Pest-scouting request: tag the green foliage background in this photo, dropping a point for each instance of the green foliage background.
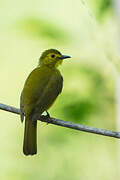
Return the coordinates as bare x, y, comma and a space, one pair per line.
88, 97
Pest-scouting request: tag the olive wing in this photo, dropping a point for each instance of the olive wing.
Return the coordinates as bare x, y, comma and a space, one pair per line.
33, 87
40, 90
52, 89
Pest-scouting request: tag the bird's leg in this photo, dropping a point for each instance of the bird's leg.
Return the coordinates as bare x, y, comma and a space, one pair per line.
48, 118
48, 115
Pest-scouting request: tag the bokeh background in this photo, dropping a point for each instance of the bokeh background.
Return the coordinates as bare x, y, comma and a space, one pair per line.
87, 31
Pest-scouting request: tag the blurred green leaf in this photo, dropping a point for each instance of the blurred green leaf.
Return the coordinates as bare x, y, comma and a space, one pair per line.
43, 29
102, 8
79, 108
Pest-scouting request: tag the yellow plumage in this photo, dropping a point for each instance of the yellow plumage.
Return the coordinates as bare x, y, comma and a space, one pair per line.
41, 88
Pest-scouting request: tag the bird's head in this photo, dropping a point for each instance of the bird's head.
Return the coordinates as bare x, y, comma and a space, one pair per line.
52, 58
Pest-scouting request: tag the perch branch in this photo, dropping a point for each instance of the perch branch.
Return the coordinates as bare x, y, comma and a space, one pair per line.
67, 124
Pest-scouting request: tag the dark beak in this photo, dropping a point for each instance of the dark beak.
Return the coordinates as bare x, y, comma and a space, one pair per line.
64, 57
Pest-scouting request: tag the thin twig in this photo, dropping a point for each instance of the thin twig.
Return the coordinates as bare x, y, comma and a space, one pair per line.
67, 124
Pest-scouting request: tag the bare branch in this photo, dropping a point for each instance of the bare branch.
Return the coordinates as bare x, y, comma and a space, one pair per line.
67, 124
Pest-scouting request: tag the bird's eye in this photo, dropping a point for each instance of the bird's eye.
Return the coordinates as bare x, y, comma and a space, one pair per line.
52, 55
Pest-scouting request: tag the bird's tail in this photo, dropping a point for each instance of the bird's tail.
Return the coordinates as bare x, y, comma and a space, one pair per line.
30, 137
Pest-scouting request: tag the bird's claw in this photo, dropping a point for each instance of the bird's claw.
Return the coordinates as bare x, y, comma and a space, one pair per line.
47, 117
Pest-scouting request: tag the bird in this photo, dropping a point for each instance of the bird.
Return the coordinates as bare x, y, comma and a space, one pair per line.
40, 90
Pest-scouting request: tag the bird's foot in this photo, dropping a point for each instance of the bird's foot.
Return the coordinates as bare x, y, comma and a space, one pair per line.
47, 117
